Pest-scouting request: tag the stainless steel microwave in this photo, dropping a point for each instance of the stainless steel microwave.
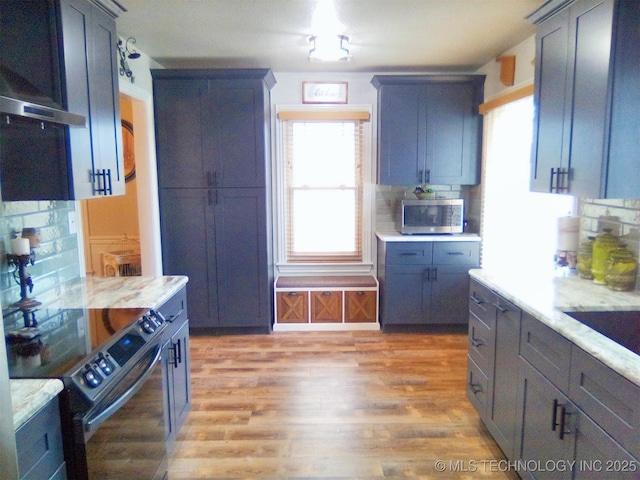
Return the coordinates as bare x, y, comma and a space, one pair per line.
431, 216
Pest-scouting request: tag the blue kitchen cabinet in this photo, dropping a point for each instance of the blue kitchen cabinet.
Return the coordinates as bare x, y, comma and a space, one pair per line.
424, 283
586, 81
429, 129
494, 338
552, 430
212, 137
545, 401
176, 364
39, 445
91, 85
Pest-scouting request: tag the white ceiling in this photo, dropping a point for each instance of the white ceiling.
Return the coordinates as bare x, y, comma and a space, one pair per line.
385, 35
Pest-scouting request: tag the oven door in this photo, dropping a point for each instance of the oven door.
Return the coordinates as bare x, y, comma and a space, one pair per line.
124, 434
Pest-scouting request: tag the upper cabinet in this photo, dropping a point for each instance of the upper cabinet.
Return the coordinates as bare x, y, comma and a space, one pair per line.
586, 94
214, 125
429, 129
91, 84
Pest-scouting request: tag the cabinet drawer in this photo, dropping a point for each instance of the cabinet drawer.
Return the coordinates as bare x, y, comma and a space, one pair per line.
175, 307
480, 303
477, 385
548, 351
293, 307
174, 311
409, 253
326, 307
480, 341
361, 306
456, 253
609, 399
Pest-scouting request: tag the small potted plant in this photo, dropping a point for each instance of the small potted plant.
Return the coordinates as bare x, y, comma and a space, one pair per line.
424, 192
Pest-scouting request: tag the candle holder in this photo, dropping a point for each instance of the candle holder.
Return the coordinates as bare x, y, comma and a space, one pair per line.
22, 278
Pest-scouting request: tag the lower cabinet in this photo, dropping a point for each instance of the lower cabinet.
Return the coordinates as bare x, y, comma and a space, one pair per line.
554, 410
494, 336
425, 283
175, 354
39, 445
178, 395
222, 246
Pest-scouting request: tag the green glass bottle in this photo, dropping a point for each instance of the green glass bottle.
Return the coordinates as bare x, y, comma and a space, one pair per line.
602, 247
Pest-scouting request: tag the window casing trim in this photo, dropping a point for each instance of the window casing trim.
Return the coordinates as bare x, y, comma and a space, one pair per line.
304, 266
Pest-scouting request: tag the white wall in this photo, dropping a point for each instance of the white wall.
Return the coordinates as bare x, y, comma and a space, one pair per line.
525, 53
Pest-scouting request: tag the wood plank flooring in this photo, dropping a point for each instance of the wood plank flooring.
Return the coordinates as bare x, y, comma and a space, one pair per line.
332, 405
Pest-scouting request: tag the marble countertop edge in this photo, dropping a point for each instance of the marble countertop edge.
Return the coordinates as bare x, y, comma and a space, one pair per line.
29, 396
546, 299
443, 237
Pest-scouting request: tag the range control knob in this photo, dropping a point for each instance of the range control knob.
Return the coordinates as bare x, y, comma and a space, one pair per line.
92, 377
105, 365
147, 325
157, 318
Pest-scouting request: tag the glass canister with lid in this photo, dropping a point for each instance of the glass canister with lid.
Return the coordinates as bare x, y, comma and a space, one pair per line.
585, 257
621, 270
603, 245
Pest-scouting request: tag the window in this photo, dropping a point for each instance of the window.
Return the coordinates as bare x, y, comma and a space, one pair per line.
323, 154
519, 227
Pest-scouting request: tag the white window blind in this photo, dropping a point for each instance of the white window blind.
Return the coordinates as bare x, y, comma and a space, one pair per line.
323, 153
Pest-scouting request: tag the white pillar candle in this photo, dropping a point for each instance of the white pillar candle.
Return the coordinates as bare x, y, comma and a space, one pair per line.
20, 246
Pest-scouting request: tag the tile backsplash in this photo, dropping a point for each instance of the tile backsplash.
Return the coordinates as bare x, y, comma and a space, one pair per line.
388, 197
57, 259
621, 215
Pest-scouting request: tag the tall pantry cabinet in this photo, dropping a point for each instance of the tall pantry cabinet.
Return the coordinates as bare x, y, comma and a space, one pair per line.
213, 148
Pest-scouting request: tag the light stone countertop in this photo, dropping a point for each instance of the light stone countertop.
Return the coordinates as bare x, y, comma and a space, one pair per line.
114, 292
445, 237
29, 396
546, 296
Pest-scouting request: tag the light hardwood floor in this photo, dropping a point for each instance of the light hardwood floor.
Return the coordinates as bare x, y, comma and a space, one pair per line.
332, 405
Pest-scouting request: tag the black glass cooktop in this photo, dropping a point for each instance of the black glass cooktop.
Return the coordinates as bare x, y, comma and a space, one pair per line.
48, 343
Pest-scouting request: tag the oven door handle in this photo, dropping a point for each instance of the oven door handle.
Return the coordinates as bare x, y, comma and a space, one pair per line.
94, 422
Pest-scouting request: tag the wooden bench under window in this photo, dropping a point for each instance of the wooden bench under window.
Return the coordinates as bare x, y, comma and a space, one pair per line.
326, 302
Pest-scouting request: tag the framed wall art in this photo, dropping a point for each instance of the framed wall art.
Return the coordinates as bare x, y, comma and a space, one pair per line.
324, 92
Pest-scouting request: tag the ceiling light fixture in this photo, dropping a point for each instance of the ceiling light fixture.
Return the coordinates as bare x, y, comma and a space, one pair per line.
329, 48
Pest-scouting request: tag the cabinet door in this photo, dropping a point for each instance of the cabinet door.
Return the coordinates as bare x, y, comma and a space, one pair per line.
598, 456
611, 400
326, 307
400, 110
360, 306
590, 29
106, 127
188, 248
552, 38
542, 412
243, 280
180, 382
293, 307
182, 117
407, 291
449, 289
452, 137
90, 59
503, 376
238, 133
39, 445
